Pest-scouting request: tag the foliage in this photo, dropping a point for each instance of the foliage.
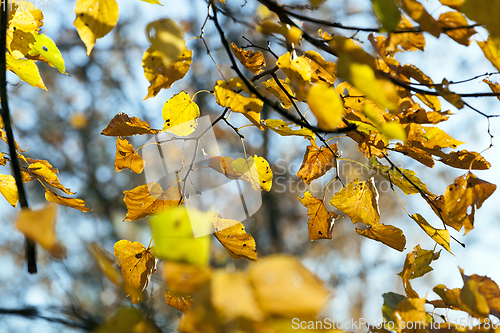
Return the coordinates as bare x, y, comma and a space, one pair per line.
384, 106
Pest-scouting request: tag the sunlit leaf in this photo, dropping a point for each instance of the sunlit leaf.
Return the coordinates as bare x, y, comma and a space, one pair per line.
455, 4
298, 70
411, 41
317, 162
417, 154
181, 303
456, 19
136, 262
94, 20
123, 125
40, 226
321, 221
276, 90
26, 70
253, 61
167, 37
70, 202
491, 50
256, 170
8, 189
326, 105
223, 165
231, 234
39, 169
284, 128
180, 114
473, 301
386, 234
487, 288
161, 76
321, 70
406, 274
410, 310
464, 159
440, 236
47, 49
448, 95
3, 159
418, 13
359, 200
391, 301
126, 157
145, 200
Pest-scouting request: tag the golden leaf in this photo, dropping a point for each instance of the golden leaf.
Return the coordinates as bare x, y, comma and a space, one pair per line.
275, 284
298, 71
180, 114
95, 19
231, 234
70, 202
181, 303
386, 234
359, 200
3, 159
407, 272
166, 37
184, 279
495, 87
417, 154
418, 13
317, 162
322, 70
26, 70
226, 96
128, 320
326, 105
136, 262
256, 170
432, 138
450, 297
40, 226
253, 61
8, 189
467, 190
488, 289
123, 125
276, 90
440, 236
411, 41
161, 76
145, 200
223, 165
285, 129
456, 19
408, 311
491, 50
321, 221
473, 301
126, 157
464, 159
417, 264
39, 169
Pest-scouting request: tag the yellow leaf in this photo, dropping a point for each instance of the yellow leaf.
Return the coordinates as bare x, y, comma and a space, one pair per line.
126, 157
223, 165
26, 70
321, 70
39, 169
95, 19
455, 4
292, 34
285, 129
407, 272
456, 19
257, 170
464, 159
487, 288
40, 226
321, 221
19, 42
180, 114
483, 12
70, 202
161, 76
467, 190
8, 189
326, 105
44, 49
181, 303
317, 162
297, 69
167, 37
253, 61
136, 262
154, 2
431, 138
3, 159
418, 13
123, 125
276, 90
226, 96
472, 300
275, 284
408, 41
184, 279
491, 50
386, 234
440, 236
359, 200
410, 313
393, 130
495, 87
145, 200
231, 234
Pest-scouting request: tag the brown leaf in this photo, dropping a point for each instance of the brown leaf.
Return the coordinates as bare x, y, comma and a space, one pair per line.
231, 234
143, 201
464, 159
316, 162
321, 221
386, 234
126, 157
123, 125
253, 61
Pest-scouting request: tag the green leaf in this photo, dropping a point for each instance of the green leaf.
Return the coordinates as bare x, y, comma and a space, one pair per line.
45, 47
388, 13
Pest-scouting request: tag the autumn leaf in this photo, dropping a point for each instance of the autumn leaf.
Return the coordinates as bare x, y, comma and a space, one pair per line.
483, 12
146, 199
485, 287
154, 2
418, 154
274, 280
126, 157
326, 105
495, 87
467, 190
8, 189
40, 226
321, 221
317, 162
123, 125
223, 165
386, 234
166, 37
418, 13
321, 70
70, 202
231, 234
285, 129
26, 70
253, 61
161, 76
256, 170
440, 236
410, 41
445, 92
298, 70
44, 49
276, 90
453, 20
410, 310
136, 262
180, 114
40, 169
181, 303
473, 301
450, 297
407, 272
94, 20
491, 50
3, 159
464, 159
105, 263
185, 279
359, 200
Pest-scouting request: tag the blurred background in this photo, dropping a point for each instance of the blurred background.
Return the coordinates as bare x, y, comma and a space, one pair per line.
63, 126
